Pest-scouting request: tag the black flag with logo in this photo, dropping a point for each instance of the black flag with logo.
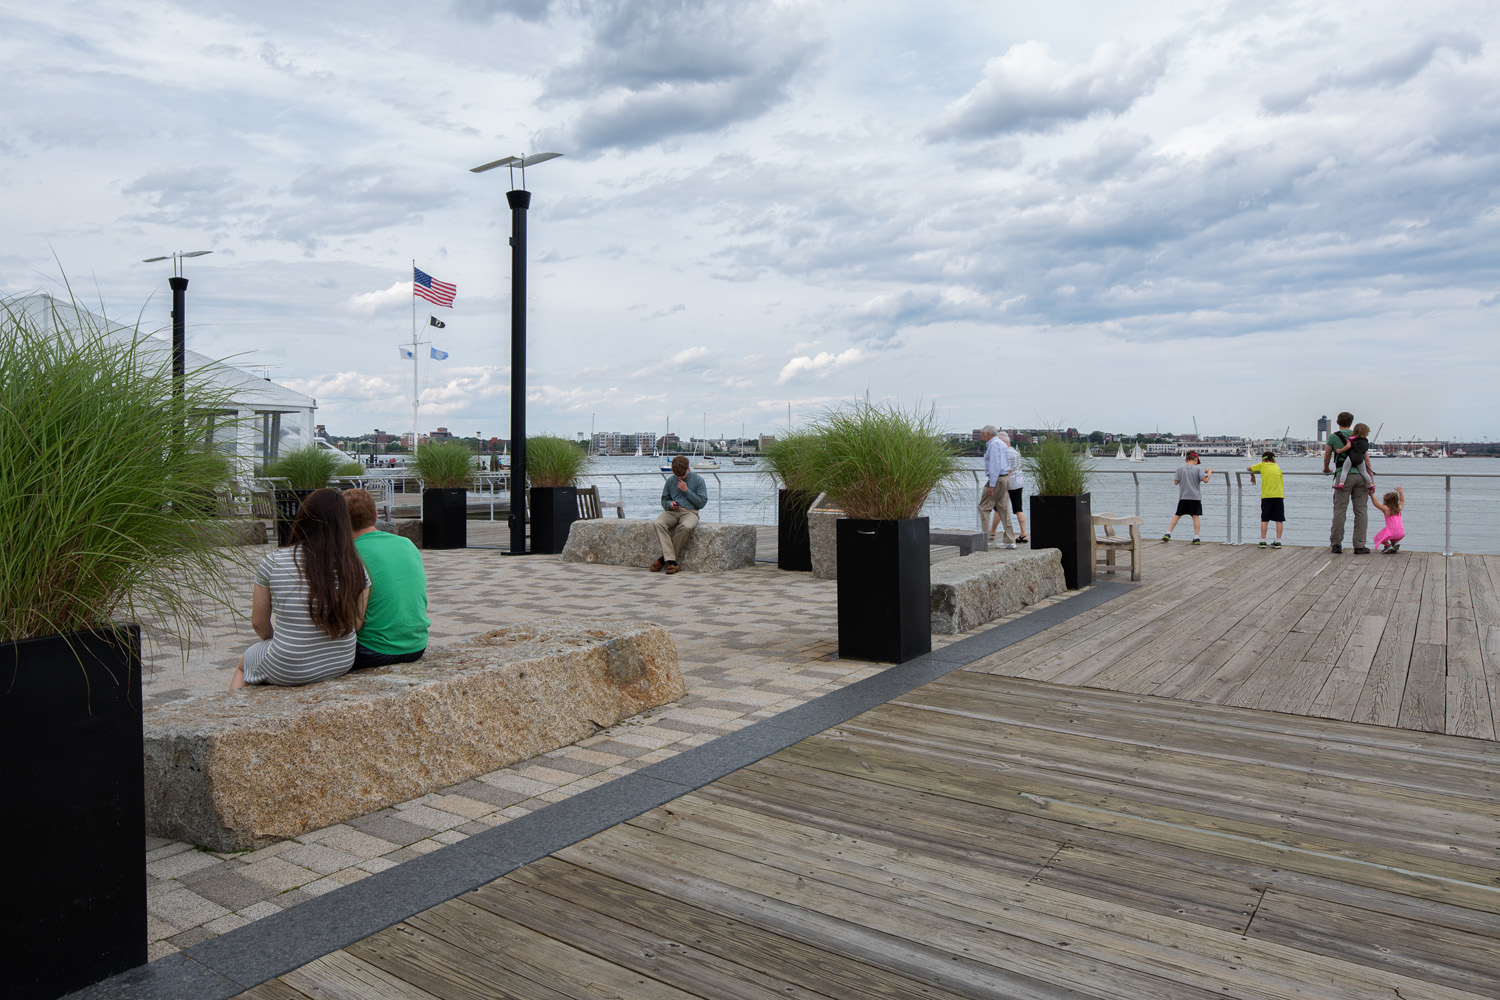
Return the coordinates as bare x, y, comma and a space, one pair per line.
434, 321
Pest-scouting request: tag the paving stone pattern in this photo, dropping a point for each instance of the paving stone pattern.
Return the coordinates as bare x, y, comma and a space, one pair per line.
752, 643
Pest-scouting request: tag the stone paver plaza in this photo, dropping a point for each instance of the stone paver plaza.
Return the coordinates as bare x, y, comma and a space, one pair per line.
752, 643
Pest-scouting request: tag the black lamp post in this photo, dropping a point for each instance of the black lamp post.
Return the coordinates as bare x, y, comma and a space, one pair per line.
519, 200
179, 319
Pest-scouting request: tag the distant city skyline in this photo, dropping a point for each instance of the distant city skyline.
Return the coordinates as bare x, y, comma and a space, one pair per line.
1075, 214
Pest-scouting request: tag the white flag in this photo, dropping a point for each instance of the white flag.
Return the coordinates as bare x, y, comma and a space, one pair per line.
407, 353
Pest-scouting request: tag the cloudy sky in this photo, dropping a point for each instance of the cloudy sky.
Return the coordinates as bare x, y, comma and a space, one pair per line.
1113, 216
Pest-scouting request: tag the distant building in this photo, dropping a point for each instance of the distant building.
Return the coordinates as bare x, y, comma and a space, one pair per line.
441, 434
1324, 429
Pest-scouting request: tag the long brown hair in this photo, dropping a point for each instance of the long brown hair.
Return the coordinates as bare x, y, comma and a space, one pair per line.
1393, 501
326, 558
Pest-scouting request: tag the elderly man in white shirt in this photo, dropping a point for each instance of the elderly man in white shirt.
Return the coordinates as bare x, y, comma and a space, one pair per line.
996, 499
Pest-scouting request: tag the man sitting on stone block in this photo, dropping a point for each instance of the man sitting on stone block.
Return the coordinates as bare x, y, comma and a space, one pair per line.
396, 622
682, 496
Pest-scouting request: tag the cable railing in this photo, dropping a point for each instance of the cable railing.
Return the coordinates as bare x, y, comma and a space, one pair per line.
1148, 492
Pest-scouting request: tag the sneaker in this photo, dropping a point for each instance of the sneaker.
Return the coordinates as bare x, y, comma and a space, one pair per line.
1361, 552
1010, 545
656, 566
1262, 544
1395, 546
1197, 541
1336, 549
1167, 537
1276, 544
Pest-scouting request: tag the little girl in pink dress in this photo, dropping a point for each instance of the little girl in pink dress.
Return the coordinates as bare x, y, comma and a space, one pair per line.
1389, 537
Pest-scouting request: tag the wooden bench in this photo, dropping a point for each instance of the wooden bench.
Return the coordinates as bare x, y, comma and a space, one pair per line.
591, 508
1112, 543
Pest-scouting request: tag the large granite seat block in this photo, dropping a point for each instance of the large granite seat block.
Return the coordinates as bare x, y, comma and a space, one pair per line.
712, 548
235, 770
984, 586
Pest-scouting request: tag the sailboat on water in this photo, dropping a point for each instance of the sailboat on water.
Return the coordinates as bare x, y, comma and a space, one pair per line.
703, 462
741, 458
1120, 455
1136, 455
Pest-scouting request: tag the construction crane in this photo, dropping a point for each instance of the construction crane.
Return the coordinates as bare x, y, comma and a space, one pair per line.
1196, 435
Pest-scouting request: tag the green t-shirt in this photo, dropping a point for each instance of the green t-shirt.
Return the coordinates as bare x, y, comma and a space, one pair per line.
1272, 484
396, 616
1337, 440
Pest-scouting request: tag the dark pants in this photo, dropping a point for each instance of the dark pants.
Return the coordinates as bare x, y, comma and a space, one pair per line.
369, 658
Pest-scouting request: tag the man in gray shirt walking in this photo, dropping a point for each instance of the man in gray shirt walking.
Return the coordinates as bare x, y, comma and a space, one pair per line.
996, 499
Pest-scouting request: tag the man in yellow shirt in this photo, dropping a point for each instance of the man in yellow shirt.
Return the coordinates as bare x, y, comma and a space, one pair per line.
1272, 495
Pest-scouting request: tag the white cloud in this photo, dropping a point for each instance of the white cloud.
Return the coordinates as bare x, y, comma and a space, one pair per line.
369, 303
1028, 90
818, 366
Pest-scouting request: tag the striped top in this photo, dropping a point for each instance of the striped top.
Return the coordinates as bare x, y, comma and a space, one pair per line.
298, 652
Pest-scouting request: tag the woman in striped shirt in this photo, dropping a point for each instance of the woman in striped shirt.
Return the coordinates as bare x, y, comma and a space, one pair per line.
309, 600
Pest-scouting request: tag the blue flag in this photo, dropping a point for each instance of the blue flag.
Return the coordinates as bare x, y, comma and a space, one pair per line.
438, 355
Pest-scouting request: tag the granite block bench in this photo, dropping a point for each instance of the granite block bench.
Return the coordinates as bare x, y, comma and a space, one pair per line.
241, 769
712, 548
969, 592
967, 542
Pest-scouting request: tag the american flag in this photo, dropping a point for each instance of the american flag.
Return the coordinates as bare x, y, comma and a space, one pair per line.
425, 286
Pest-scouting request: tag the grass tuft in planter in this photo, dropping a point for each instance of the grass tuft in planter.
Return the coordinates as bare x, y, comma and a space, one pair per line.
1058, 468
880, 462
446, 465
554, 461
306, 468
100, 474
792, 460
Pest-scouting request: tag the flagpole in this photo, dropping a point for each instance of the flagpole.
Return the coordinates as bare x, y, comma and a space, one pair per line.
414, 400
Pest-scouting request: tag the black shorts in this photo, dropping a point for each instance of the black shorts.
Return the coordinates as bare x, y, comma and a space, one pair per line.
1015, 500
1194, 507
365, 658
1272, 509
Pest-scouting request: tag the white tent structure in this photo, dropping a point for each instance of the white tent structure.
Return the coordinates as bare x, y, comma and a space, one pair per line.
262, 419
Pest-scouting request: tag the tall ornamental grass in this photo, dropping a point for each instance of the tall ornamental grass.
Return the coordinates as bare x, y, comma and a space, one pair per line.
307, 468
554, 461
880, 462
102, 477
446, 465
792, 460
1058, 468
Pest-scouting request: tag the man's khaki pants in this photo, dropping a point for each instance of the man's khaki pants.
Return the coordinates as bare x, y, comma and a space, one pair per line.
998, 502
672, 529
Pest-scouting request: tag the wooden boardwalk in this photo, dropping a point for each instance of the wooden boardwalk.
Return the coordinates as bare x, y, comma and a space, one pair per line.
1409, 640
987, 836
1233, 781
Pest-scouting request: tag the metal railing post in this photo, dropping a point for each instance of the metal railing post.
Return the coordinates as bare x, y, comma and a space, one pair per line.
1239, 508
1137, 477
719, 489
1228, 512
1447, 515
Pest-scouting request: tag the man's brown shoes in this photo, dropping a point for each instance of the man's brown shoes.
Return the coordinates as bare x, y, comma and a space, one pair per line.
656, 566
671, 568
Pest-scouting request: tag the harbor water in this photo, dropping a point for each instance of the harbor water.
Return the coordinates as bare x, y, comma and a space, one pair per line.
1466, 490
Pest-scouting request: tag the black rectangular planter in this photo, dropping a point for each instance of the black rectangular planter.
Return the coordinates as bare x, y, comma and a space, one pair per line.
884, 589
445, 518
1065, 523
553, 511
793, 546
70, 732
288, 502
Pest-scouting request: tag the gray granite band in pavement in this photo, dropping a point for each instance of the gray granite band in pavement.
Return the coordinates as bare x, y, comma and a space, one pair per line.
226, 965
